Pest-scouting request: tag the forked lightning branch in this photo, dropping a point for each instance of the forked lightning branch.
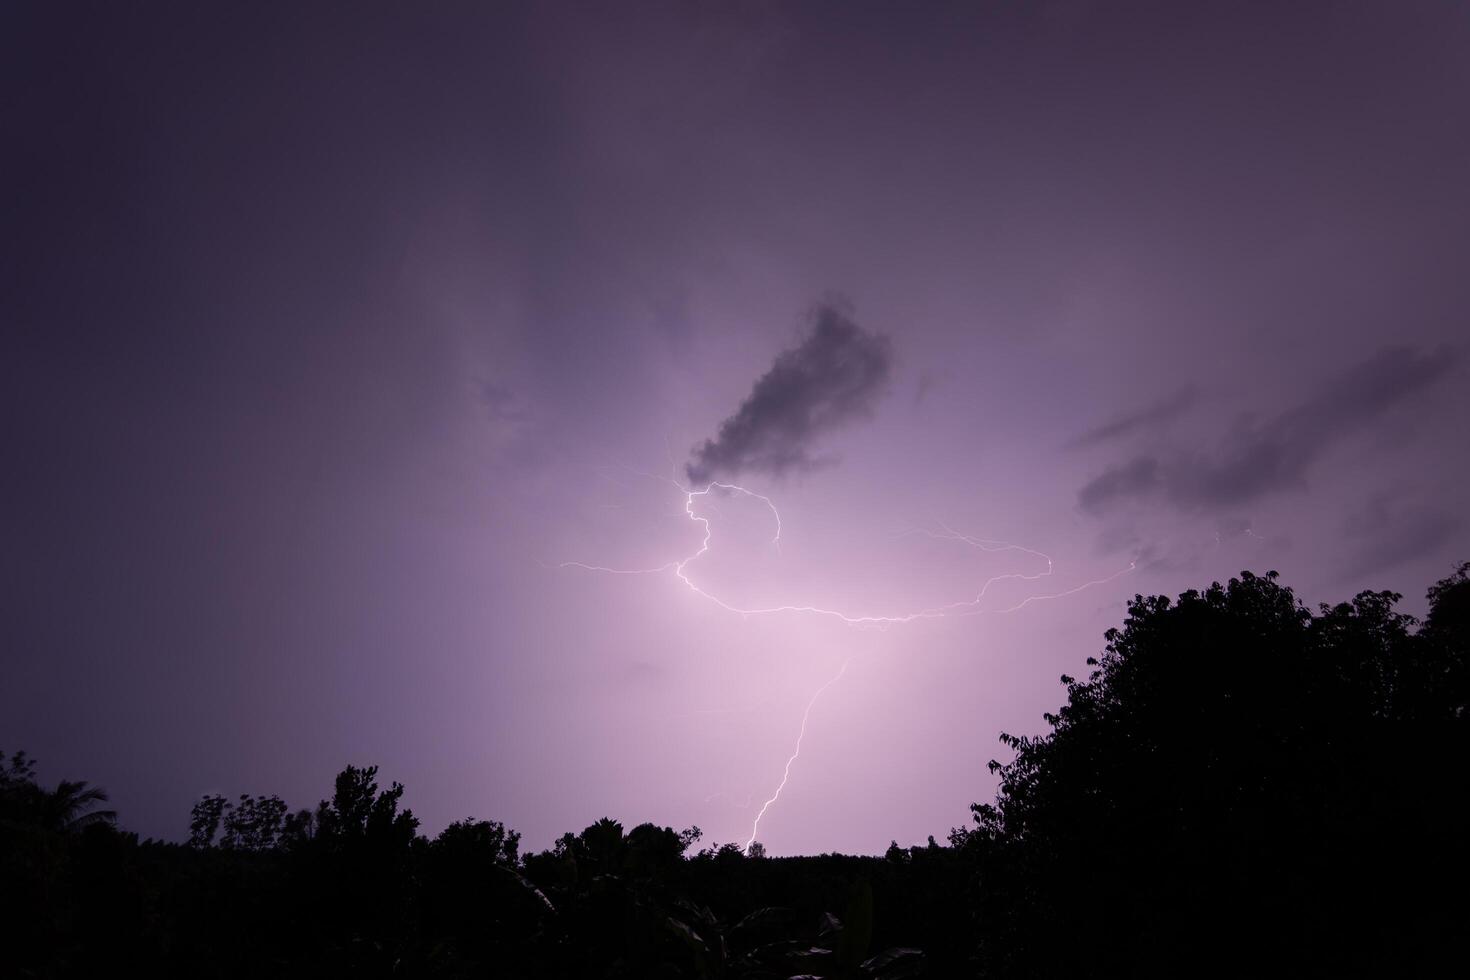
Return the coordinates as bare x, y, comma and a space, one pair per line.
681, 570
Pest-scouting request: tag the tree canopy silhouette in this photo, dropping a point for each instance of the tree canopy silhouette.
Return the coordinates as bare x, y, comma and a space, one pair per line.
1240, 784
71, 807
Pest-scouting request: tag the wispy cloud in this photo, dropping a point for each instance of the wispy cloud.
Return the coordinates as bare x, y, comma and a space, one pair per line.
1158, 413
1258, 459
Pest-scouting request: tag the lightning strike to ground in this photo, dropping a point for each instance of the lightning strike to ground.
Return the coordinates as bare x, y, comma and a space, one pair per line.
963, 607
786, 774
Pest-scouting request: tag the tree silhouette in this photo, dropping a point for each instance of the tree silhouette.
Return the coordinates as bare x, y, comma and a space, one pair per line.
1240, 786
204, 820
69, 808
358, 812
19, 794
72, 806
1239, 782
254, 823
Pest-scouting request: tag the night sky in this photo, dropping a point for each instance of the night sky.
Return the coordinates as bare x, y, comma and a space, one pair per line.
329, 335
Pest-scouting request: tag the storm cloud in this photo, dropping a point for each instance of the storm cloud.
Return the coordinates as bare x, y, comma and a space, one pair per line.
1392, 528
833, 377
1159, 413
1261, 458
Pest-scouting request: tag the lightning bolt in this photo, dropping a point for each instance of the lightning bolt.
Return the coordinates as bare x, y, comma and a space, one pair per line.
680, 569
963, 607
786, 774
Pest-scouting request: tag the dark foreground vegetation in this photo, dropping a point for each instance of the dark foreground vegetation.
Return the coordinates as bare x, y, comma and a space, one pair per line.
1240, 787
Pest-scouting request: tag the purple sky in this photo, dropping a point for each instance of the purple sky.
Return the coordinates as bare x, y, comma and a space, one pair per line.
328, 336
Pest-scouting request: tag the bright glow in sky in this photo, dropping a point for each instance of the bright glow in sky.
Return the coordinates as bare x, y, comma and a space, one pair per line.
328, 340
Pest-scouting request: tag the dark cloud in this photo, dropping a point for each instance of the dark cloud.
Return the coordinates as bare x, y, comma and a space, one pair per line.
1117, 537
1260, 458
1229, 528
1389, 530
832, 377
1135, 478
1161, 411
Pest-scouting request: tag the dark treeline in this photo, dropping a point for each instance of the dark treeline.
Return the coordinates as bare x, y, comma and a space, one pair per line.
1241, 786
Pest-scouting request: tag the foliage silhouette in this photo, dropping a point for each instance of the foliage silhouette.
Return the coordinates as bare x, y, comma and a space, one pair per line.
255, 823
69, 808
1239, 786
